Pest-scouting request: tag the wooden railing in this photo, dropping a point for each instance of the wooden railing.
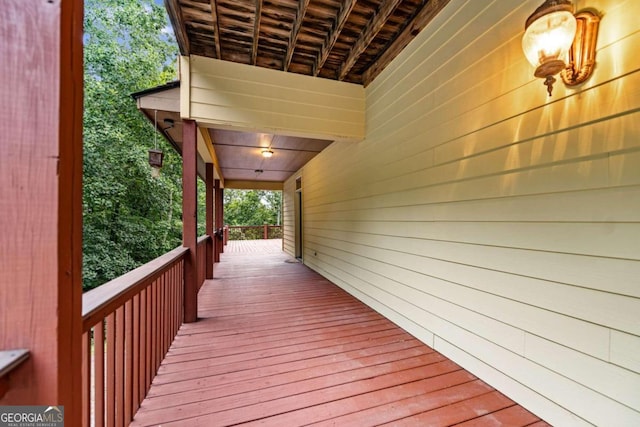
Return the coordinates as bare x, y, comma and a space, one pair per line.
254, 232
201, 260
9, 361
128, 326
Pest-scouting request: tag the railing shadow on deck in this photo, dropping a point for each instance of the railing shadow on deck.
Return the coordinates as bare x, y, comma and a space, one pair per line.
128, 326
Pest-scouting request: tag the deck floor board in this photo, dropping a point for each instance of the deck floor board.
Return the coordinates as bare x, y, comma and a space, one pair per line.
278, 345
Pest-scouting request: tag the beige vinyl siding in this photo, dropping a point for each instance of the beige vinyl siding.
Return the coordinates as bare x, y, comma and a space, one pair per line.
494, 223
237, 96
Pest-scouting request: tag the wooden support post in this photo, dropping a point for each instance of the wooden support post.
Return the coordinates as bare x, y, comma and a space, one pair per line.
265, 232
209, 184
189, 219
218, 244
41, 209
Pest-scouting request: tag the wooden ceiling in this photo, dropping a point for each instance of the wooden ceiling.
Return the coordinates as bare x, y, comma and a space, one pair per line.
347, 40
240, 154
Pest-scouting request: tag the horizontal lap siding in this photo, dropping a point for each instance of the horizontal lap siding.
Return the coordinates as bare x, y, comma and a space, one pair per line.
243, 97
494, 223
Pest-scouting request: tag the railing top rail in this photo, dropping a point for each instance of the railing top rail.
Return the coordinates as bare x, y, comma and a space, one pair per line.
103, 300
203, 239
10, 359
246, 226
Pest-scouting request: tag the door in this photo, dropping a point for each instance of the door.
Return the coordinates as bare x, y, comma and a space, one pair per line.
298, 218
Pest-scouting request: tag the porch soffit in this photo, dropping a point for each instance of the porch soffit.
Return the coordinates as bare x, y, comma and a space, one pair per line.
236, 155
350, 41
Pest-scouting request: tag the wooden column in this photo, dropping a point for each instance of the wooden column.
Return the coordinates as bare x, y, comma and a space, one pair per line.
189, 219
41, 208
209, 226
219, 220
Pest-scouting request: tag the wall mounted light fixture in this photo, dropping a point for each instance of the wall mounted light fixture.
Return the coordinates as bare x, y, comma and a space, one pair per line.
557, 41
267, 153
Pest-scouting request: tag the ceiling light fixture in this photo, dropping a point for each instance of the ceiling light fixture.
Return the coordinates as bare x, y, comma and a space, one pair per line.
266, 153
557, 41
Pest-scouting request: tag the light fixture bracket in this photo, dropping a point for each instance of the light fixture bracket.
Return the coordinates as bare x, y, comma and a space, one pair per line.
582, 55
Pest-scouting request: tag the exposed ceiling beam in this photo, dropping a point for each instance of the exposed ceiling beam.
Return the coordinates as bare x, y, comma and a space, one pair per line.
371, 30
175, 16
293, 38
256, 31
345, 9
422, 18
216, 27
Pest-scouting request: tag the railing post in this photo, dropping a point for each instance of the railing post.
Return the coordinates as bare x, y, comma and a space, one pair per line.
41, 201
189, 219
265, 232
209, 184
217, 245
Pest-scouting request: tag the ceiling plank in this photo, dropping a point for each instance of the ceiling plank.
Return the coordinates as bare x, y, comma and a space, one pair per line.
369, 33
345, 10
256, 32
422, 18
175, 16
216, 28
295, 31
254, 185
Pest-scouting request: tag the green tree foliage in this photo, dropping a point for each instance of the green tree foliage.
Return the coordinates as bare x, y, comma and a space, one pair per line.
252, 207
129, 217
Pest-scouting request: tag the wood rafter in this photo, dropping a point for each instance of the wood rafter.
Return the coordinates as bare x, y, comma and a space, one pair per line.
175, 16
421, 19
369, 33
295, 31
339, 40
216, 28
256, 32
330, 41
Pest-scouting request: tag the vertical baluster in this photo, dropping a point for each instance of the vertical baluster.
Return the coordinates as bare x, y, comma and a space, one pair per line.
181, 289
111, 370
165, 299
149, 338
128, 360
86, 379
120, 367
142, 385
135, 373
169, 306
163, 335
154, 328
176, 300
98, 358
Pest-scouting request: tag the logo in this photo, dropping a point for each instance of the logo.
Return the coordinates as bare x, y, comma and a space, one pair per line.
31, 416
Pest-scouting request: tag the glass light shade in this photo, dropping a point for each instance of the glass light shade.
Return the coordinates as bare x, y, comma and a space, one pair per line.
267, 153
548, 40
155, 158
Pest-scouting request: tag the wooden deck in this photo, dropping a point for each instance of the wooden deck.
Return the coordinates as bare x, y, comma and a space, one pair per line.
279, 345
